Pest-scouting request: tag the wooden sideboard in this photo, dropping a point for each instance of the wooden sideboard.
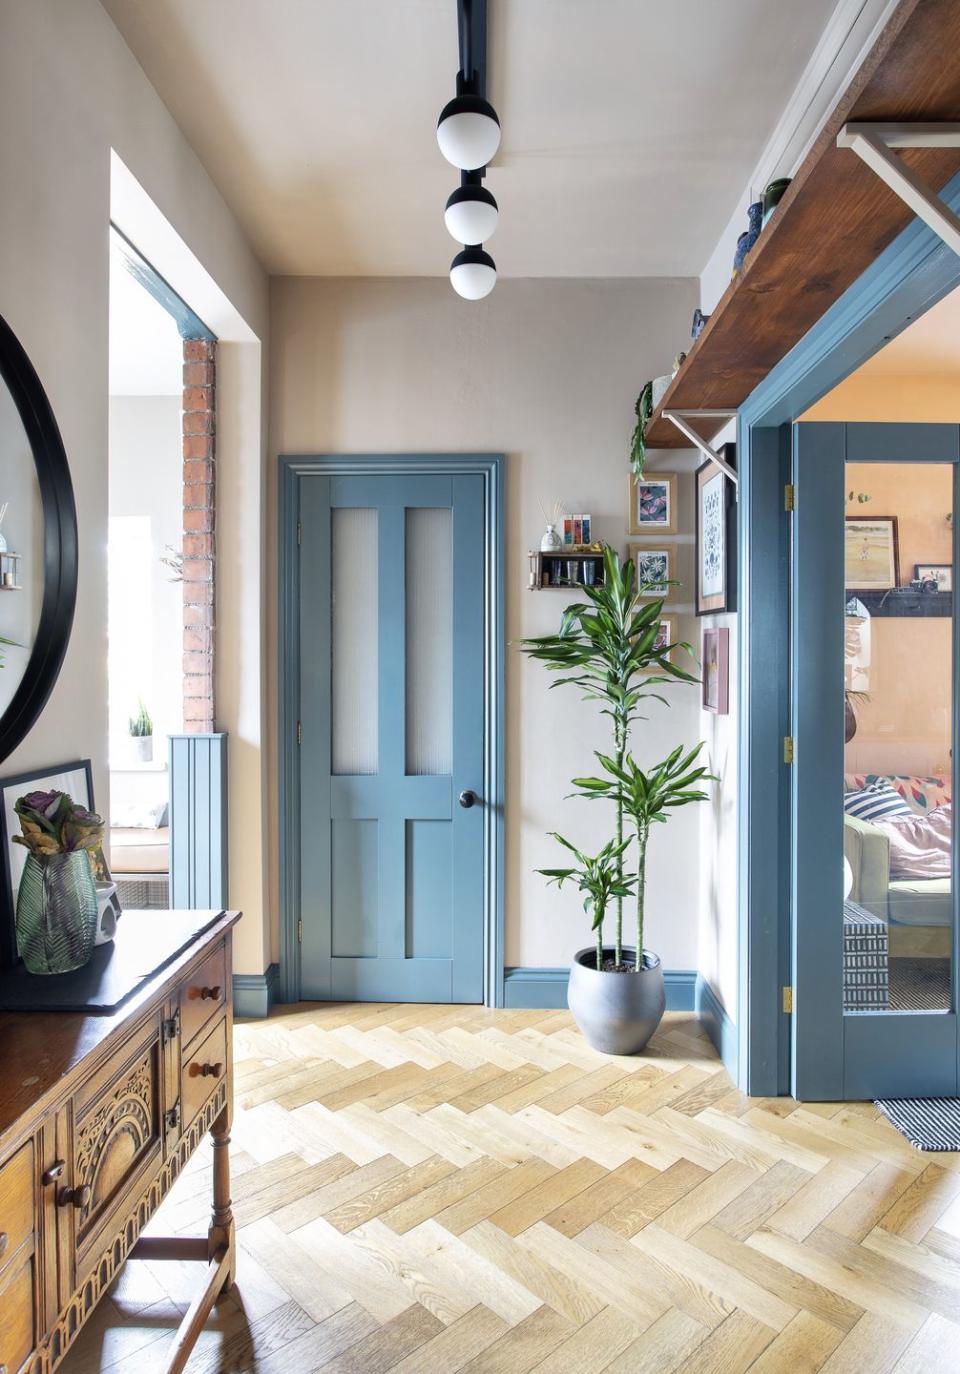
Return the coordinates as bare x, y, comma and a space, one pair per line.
98, 1115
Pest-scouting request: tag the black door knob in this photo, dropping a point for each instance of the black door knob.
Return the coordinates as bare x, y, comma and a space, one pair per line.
467, 799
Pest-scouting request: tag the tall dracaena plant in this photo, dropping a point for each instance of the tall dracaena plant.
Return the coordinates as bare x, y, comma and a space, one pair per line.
649, 799
609, 647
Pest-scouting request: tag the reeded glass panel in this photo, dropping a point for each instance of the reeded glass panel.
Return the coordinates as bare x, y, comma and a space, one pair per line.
429, 674
354, 632
898, 675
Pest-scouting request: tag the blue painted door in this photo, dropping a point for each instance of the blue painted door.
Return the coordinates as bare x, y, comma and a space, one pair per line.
392, 716
874, 938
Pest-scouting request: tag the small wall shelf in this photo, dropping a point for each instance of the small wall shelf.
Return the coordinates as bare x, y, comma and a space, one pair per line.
10, 580
549, 571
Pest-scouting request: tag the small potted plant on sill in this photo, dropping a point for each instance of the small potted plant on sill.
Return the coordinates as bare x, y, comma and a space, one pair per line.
140, 730
612, 647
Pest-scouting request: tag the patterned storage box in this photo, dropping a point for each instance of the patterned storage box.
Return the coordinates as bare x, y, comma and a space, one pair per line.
866, 978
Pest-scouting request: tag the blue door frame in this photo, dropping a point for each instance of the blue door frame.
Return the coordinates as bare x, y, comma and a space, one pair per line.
908, 277
293, 470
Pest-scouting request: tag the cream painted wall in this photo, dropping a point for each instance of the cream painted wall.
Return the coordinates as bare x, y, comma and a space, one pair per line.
70, 91
546, 371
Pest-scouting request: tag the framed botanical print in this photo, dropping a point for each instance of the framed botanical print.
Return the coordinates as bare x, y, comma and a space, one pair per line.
871, 554
653, 504
716, 538
941, 573
658, 573
715, 669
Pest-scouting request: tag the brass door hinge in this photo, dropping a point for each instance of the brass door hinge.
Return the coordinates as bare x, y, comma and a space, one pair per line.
789, 749
788, 1001
789, 497
300, 931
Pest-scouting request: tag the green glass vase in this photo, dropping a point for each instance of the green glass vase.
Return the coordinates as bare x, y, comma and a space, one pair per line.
56, 912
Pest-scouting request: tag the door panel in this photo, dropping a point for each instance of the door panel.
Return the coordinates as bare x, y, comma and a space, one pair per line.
392, 630
874, 720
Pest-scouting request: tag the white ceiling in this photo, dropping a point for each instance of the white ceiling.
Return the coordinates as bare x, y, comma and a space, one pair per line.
146, 351
630, 127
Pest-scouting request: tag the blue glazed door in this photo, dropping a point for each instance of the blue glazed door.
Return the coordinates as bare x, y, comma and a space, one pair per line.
874, 711
392, 643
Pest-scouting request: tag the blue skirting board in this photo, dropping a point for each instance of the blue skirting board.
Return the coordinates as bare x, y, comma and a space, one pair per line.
255, 993
547, 988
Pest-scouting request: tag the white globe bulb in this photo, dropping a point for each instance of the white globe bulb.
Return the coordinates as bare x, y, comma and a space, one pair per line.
471, 214
468, 132
473, 274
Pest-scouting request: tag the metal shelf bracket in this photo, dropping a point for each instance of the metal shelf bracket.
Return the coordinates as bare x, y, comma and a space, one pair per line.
679, 418
875, 144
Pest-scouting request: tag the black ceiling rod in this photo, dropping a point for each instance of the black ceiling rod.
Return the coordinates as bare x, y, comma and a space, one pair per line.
472, 26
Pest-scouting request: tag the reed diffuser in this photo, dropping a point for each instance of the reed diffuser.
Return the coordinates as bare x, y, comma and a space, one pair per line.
552, 541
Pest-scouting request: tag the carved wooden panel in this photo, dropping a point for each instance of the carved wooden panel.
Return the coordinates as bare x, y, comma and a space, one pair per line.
114, 1134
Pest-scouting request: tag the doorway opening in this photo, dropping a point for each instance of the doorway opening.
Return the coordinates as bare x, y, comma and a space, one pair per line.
160, 560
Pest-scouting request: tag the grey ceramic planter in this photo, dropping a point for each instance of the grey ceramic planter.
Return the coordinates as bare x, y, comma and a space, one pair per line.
617, 1012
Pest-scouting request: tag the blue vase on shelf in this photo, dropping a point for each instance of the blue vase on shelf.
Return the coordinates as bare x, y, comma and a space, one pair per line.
750, 235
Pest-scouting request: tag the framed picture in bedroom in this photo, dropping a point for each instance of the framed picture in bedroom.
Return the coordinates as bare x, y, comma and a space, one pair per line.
653, 504
76, 779
716, 570
658, 572
871, 554
715, 669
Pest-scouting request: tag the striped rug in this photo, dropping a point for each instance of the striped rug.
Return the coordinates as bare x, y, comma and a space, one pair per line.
931, 1123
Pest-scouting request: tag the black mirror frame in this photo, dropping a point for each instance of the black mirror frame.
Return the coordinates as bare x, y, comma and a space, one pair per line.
59, 543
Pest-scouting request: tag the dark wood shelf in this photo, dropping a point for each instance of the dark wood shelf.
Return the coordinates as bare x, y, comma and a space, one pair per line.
546, 563
834, 220
905, 602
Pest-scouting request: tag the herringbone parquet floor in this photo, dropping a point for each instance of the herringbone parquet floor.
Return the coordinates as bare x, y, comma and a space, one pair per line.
435, 1189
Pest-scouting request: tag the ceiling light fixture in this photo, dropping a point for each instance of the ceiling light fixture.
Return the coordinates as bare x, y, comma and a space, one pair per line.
473, 274
468, 132
471, 213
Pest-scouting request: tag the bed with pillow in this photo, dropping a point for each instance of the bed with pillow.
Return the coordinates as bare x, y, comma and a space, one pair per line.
897, 839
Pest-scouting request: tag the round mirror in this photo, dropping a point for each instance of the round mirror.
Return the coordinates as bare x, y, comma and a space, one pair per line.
38, 545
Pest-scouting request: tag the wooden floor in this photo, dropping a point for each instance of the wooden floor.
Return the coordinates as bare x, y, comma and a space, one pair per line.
434, 1189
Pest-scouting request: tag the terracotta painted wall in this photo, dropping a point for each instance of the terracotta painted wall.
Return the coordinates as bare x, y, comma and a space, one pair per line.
904, 727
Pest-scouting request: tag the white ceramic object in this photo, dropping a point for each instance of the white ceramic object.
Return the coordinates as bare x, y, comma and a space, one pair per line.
551, 541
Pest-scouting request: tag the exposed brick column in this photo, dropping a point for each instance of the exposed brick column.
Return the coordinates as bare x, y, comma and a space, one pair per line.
199, 533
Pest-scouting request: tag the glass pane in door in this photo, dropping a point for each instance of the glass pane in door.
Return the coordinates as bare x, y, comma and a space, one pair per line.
429, 640
898, 689
354, 630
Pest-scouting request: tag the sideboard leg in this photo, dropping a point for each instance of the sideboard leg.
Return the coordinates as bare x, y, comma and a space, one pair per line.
221, 1233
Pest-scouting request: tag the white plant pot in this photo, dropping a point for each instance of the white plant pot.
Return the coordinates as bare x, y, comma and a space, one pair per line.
142, 748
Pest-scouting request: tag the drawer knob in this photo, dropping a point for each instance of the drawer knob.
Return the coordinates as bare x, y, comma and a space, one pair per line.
206, 1070
50, 1175
74, 1197
210, 994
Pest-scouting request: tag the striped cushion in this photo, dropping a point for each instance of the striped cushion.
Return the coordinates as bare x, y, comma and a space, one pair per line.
877, 801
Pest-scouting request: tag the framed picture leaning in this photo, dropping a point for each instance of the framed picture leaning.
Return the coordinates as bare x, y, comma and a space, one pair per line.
716, 561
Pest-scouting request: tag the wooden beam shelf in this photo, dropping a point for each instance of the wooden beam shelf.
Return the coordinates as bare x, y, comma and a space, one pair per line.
836, 217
